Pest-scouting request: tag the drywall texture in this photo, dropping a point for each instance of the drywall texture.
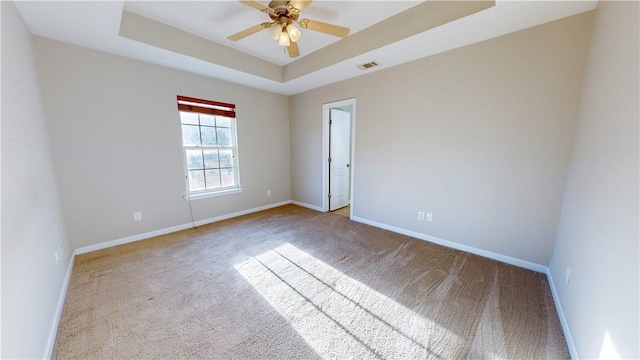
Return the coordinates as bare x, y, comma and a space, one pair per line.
598, 230
478, 136
116, 141
33, 224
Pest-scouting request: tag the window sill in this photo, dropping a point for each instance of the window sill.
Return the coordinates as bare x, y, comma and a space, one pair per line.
205, 195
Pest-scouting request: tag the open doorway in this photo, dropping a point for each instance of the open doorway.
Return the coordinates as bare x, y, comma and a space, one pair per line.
338, 120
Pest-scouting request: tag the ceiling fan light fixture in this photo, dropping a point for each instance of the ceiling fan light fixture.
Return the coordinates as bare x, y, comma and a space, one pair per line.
284, 40
294, 33
283, 15
274, 31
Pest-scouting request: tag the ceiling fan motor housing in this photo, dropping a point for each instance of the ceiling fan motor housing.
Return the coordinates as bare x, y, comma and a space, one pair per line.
283, 15
283, 12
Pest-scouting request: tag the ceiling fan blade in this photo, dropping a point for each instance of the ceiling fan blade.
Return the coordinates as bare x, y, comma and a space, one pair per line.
293, 50
256, 5
250, 31
298, 5
330, 29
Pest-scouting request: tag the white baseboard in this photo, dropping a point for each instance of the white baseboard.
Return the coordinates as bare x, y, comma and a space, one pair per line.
502, 258
450, 244
308, 206
150, 234
573, 350
240, 213
129, 239
56, 318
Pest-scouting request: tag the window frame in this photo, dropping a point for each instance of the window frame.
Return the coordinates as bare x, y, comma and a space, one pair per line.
209, 108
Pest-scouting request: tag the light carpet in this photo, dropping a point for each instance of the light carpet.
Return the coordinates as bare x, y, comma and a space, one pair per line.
295, 283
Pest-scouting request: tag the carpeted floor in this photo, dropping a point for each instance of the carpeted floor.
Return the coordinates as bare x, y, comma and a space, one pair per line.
345, 211
295, 283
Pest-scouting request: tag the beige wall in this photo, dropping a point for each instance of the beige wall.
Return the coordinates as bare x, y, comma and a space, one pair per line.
479, 136
598, 231
117, 145
33, 224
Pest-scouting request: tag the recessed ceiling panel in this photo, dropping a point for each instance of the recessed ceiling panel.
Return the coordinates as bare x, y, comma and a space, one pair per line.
215, 20
96, 25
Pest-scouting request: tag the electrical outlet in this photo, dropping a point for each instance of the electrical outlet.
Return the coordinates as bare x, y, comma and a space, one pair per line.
567, 274
268, 192
429, 217
137, 216
420, 215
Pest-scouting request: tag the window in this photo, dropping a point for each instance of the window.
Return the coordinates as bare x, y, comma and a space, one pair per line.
209, 146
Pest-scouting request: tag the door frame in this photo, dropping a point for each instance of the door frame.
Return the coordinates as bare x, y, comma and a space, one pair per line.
325, 151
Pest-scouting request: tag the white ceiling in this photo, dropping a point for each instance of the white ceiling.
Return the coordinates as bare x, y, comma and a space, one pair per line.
96, 25
217, 20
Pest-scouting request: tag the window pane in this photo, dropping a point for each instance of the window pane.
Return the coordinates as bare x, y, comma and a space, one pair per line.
194, 159
211, 159
196, 180
213, 178
209, 149
227, 177
226, 158
190, 135
222, 121
224, 136
208, 136
207, 120
189, 118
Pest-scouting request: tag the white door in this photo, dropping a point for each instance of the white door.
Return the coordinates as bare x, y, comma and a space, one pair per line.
339, 153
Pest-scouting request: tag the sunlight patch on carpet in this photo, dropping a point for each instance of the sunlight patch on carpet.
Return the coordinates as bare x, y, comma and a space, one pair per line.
339, 316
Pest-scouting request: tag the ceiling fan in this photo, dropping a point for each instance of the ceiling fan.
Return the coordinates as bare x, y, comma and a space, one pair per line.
284, 14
